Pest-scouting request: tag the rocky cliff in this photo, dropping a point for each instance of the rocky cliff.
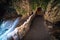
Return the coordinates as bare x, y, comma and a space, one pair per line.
52, 17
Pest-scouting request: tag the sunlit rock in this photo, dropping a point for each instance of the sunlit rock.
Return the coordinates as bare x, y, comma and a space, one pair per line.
20, 31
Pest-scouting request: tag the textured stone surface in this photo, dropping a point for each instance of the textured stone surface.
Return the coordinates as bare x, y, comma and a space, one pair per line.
52, 13
20, 31
52, 17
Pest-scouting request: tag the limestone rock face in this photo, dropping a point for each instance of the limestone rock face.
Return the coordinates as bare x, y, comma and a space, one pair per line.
21, 31
21, 6
52, 17
52, 13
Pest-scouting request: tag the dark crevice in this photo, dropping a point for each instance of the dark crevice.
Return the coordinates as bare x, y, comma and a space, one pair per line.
57, 24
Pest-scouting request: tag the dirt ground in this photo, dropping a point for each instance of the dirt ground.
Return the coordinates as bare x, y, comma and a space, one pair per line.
38, 30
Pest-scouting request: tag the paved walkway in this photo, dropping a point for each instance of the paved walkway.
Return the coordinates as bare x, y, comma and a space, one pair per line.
38, 30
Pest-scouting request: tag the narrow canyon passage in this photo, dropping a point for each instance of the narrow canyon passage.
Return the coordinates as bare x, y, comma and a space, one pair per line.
38, 30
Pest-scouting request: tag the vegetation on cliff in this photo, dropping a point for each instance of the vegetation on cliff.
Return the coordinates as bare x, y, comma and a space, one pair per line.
52, 13
24, 6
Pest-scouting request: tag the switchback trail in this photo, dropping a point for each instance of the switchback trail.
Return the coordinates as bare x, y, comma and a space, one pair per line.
38, 30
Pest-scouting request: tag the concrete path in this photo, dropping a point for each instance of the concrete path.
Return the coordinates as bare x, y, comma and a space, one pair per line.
38, 30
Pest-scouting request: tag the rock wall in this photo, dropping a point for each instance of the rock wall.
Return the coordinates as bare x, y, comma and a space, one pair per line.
52, 17
52, 13
20, 31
